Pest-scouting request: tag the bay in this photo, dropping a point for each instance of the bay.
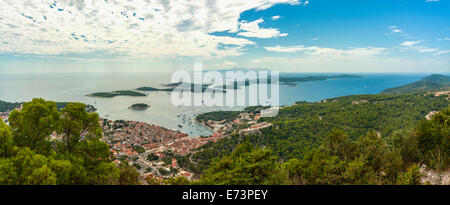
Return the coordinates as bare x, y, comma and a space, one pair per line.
73, 87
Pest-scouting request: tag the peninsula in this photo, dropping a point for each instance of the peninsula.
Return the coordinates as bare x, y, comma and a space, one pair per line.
432, 83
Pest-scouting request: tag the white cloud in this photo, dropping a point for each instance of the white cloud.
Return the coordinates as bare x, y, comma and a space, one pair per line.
329, 52
441, 52
252, 29
350, 64
229, 63
410, 43
275, 18
426, 50
421, 49
136, 28
396, 31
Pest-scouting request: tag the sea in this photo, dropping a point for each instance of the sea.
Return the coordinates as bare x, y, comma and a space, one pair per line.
73, 87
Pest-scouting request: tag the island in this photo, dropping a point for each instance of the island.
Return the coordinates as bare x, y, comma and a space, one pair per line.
187, 86
432, 83
152, 89
171, 87
139, 106
117, 93
287, 80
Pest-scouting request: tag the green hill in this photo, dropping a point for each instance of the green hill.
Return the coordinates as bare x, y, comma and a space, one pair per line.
298, 128
430, 83
5, 106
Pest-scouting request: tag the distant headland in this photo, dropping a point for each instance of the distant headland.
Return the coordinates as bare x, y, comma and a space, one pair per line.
117, 93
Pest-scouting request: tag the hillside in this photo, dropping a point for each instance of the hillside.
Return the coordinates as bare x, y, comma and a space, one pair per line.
7, 106
432, 83
303, 126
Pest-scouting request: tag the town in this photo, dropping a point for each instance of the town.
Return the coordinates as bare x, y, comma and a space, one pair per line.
152, 150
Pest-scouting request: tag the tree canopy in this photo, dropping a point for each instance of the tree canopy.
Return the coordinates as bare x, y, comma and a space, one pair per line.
76, 155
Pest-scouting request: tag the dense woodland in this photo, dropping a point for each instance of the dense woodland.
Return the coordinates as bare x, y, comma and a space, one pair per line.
28, 156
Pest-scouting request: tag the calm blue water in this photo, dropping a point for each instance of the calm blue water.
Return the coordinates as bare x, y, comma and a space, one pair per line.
319, 90
74, 87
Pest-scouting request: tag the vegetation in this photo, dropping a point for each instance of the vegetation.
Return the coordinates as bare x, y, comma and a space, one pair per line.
185, 86
139, 106
117, 93
218, 116
430, 83
150, 89
152, 157
433, 139
29, 156
302, 127
5, 106
285, 79
370, 159
244, 166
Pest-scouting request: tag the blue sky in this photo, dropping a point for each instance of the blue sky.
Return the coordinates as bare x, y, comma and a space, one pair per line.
284, 35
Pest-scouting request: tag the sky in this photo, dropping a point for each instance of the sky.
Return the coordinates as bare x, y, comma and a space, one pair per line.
301, 36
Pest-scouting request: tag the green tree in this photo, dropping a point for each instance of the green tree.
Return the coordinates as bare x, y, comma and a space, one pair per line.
405, 142
245, 166
33, 125
6, 140
104, 173
77, 125
434, 140
128, 175
8, 174
411, 176
180, 180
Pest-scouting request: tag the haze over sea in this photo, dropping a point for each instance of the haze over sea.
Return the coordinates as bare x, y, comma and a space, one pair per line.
70, 87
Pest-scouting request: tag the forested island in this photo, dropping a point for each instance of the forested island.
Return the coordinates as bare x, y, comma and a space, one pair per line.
139, 106
287, 80
117, 93
152, 89
170, 87
192, 87
430, 83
